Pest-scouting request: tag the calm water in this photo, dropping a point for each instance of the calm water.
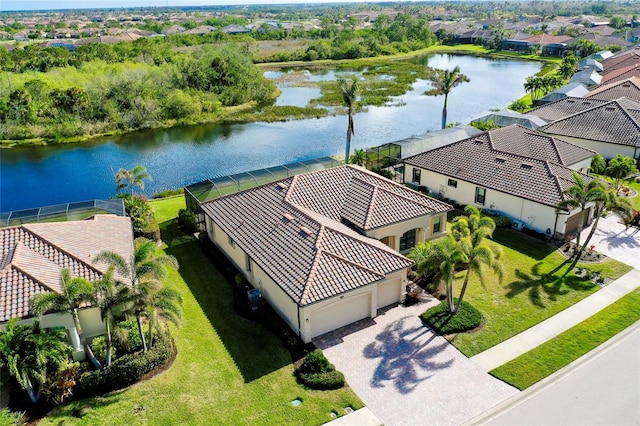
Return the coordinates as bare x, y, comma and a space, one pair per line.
38, 176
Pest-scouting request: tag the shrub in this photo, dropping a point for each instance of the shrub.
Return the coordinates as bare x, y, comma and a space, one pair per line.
168, 193
502, 222
187, 221
152, 230
534, 233
440, 319
519, 105
383, 172
317, 372
126, 337
99, 347
125, 370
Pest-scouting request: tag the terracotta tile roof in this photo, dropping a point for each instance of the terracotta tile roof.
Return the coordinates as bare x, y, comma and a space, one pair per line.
621, 74
610, 122
32, 256
293, 229
622, 62
620, 57
628, 88
544, 39
479, 161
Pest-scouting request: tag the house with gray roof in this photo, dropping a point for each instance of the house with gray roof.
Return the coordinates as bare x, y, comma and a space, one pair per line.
574, 90
324, 247
609, 128
629, 88
515, 171
33, 255
564, 107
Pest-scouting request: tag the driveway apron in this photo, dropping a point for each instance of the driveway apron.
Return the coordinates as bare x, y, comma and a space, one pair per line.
406, 374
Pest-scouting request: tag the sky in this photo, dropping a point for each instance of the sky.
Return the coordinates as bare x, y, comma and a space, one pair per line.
7, 5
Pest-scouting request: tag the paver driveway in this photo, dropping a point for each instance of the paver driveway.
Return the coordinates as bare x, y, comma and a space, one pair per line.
407, 375
616, 240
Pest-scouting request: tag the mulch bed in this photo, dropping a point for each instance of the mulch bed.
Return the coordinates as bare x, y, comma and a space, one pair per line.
588, 256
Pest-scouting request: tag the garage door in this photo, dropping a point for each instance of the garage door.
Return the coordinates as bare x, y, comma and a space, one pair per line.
389, 293
340, 314
571, 226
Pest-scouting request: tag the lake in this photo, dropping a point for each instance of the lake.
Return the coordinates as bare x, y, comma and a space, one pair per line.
44, 175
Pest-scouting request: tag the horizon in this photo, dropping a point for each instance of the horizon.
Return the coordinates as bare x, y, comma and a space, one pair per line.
46, 5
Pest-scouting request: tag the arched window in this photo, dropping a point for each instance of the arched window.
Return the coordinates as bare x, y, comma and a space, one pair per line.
408, 240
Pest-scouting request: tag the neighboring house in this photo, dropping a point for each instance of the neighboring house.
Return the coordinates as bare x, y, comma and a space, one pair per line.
573, 90
322, 247
515, 171
589, 63
565, 107
587, 77
609, 128
629, 88
621, 74
612, 61
623, 61
33, 255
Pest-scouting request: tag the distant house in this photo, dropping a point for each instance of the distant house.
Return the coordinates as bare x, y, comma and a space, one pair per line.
235, 29
32, 256
515, 171
564, 107
609, 128
572, 90
323, 247
587, 77
589, 63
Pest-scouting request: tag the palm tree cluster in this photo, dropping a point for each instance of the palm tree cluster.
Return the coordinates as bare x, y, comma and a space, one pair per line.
464, 248
126, 288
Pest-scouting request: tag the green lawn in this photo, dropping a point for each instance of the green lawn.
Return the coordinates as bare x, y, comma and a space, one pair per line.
228, 370
565, 348
533, 289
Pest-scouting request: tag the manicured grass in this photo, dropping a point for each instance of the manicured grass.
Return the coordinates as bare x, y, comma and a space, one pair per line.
228, 370
565, 348
534, 288
443, 321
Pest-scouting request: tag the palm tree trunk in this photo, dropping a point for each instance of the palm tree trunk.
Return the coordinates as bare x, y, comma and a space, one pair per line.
87, 348
33, 396
108, 327
580, 227
444, 111
348, 148
141, 331
151, 316
581, 249
464, 289
450, 296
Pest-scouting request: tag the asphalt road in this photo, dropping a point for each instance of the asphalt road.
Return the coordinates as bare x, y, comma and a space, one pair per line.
602, 389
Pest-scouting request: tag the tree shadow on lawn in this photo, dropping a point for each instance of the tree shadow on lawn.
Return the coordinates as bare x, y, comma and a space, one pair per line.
255, 350
407, 358
538, 283
522, 243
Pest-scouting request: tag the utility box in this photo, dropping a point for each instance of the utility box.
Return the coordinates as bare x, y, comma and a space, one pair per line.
255, 298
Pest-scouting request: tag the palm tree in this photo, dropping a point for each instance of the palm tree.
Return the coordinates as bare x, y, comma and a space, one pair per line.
359, 157
31, 355
598, 164
349, 92
440, 257
470, 233
164, 305
443, 82
111, 296
579, 195
131, 178
620, 169
146, 269
611, 203
75, 292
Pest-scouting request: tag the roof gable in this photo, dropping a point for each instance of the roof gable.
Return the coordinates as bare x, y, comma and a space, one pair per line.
628, 88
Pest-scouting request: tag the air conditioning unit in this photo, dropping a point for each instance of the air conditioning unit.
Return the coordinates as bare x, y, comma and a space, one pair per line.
517, 225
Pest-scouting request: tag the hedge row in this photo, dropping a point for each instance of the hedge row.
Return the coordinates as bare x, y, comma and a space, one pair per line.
126, 370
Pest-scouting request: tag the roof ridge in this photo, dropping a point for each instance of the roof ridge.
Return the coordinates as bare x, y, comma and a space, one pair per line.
314, 266
352, 263
32, 278
604, 105
372, 202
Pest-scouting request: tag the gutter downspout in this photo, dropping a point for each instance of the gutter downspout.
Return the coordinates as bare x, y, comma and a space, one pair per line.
299, 331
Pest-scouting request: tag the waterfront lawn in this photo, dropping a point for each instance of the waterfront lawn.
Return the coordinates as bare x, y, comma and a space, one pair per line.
228, 370
565, 348
533, 289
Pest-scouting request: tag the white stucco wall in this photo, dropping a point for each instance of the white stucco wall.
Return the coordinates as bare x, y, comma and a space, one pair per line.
534, 215
277, 298
424, 224
607, 150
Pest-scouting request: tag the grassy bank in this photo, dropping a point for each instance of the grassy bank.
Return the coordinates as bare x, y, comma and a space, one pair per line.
229, 370
565, 348
533, 289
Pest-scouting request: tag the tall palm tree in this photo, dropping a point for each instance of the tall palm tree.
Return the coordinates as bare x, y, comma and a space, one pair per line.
31, 355
440, 257
349, 90
145, 270
359, 157
76, 291
443, 82
611, 203
132, 178
579, 196
112, 295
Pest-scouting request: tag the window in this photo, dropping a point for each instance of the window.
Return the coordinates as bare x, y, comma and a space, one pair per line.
480, 195
452, 182
436, 224
231, 243
416, 176
247, 261
408, 240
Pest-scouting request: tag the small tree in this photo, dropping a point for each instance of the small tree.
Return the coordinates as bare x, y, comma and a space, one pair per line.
621, 168
128, 179
598, 164
359, 157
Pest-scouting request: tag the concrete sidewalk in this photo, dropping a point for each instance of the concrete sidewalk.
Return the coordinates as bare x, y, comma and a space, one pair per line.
551, 327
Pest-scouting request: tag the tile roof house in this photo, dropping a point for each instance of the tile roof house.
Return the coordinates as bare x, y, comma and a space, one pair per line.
322, 247
33, 255
629, 88
564, 107
574, 90
516, 171
609, 128
621, 74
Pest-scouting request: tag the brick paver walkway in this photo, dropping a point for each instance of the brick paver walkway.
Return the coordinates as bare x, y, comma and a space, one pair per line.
407, 375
